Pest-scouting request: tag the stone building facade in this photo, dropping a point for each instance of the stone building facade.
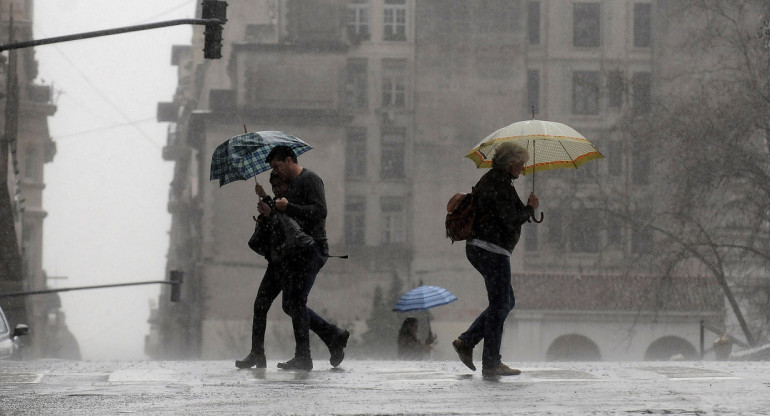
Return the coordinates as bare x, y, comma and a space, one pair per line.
26, 147
392, 94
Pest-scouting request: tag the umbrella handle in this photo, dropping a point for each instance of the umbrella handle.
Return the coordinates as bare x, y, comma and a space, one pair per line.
536, 220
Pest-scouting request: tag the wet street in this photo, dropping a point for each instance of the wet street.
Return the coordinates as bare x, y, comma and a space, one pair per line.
382, 388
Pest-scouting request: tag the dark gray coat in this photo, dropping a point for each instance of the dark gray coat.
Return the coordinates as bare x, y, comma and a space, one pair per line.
499, 210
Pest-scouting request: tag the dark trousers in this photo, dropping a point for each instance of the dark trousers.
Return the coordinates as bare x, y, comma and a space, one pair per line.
269, 289
298, 272
496, 270
266, 294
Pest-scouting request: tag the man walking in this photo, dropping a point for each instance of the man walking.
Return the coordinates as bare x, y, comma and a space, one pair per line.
305, 202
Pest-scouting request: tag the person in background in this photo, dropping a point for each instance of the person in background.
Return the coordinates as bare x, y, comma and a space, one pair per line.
409, 347
496, 230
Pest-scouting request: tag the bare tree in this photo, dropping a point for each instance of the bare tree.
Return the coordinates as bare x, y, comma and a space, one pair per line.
709, 132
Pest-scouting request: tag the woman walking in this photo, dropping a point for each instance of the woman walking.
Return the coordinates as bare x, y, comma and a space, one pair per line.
496, 230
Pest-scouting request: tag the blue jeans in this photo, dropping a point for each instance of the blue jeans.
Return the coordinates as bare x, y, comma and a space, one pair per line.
496, 270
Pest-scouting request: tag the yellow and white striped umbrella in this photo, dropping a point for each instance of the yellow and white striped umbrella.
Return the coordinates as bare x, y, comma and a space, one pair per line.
551, 145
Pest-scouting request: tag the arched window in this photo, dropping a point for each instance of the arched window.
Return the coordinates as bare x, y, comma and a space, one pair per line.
573, 347
670, 347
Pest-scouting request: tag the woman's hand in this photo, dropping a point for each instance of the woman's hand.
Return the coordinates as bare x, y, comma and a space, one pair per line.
533, 201
263, 208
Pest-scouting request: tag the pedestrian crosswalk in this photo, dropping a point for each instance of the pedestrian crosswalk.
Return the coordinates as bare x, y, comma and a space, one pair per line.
392, 372
382, 387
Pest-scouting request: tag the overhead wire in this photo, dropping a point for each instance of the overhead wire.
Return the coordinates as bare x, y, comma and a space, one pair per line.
110, 127
179, 6
104, 96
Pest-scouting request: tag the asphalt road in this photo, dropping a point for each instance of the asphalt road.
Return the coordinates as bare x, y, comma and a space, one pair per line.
53, 387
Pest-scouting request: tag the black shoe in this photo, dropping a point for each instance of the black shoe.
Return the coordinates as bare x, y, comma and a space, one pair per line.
297, 363
251, 360
465, 352
337, 348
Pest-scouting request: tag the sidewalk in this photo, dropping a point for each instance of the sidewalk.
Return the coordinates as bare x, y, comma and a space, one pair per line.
383, 388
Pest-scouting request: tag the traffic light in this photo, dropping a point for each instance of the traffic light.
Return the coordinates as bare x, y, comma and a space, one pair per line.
213, 9
176, 277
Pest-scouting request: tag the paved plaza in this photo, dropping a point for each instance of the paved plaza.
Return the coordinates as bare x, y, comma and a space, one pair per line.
57, 387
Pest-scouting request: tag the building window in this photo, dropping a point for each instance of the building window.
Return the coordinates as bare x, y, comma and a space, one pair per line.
585, 92
30, 162
533, 90
392, 224
640, 164
27, 233
356, 96
587, 172
584, 233
355, 153
641, 240
394, 83
642, 86
355, 220
555, 237
615, 158
260, 33
530, 238
394, 20
393, 153
586, 25
642, 25
614, 228
615, 89
358, 20
533, 22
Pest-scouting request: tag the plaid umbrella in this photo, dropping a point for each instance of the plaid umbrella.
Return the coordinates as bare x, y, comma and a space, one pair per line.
243, 156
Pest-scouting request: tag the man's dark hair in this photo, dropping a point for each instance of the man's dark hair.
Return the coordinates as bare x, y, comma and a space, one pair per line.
281, 153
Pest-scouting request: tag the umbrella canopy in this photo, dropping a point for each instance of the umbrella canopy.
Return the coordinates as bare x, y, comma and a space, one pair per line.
551, 145
243, 156
424, 297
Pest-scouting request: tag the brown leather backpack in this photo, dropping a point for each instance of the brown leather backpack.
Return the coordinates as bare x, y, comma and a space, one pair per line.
459, 218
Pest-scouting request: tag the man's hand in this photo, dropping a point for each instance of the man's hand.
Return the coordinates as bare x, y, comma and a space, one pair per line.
260, 190
533, 201
281, 204
263, 208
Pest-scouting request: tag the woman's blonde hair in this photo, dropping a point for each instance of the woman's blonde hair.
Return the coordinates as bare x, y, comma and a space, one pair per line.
508, 153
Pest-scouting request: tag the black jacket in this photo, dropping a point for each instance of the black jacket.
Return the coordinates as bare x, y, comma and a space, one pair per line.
307, 206
499, 211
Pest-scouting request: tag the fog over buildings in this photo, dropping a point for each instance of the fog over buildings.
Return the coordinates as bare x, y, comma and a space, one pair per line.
636, 249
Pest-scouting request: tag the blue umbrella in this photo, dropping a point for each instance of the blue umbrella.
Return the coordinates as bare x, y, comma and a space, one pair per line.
243, 156
424, 297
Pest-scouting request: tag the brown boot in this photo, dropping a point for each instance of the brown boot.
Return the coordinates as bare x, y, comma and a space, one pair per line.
465, 352
500, 370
